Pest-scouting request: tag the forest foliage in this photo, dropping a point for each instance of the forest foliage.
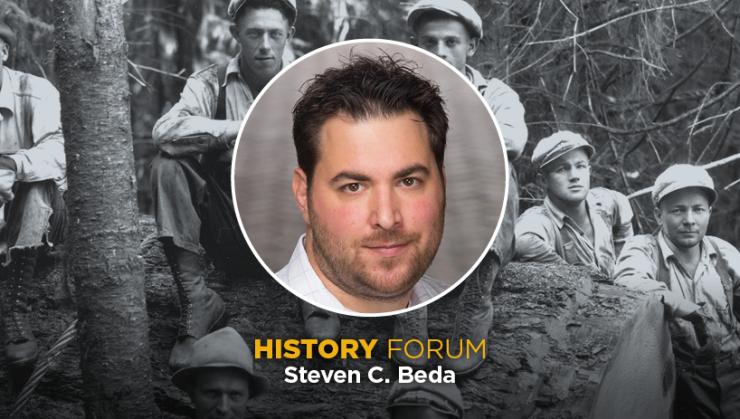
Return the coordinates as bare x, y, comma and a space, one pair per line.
649, 83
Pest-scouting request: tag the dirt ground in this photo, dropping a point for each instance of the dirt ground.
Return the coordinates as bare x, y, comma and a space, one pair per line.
552, 335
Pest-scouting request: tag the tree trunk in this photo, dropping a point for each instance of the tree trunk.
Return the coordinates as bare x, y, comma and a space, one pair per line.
103, 234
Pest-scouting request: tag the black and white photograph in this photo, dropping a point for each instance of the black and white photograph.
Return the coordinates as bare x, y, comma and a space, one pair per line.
129, 290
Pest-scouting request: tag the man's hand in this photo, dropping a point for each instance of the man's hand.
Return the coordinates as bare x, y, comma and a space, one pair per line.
699, 320
7, 180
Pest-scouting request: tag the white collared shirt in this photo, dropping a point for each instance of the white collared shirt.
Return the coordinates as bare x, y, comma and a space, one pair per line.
301, 279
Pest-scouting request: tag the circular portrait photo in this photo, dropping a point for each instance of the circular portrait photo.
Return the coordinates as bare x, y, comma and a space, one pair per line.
369, 177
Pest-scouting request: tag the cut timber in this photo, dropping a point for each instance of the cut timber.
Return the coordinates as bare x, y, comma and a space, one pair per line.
554, 330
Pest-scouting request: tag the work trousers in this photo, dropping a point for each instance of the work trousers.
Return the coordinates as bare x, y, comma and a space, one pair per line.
194, 209
36, 216
708, 390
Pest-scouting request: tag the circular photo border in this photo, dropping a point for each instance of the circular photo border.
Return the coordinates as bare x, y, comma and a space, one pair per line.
376, 44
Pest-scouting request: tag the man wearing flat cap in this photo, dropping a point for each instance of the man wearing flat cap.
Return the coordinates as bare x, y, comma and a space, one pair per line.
191, 174
32, 179
220, 377
452, 30
576, 225
697, 279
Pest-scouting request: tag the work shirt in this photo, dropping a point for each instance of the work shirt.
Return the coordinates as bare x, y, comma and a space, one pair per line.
300, 278
506, 107
38, 150
546, 234
637, 268
189, 127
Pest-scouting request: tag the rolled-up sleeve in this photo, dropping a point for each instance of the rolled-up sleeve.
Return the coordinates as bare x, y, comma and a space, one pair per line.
637, 269
622, 228
533, 242
188, 128
509, 113
45, 160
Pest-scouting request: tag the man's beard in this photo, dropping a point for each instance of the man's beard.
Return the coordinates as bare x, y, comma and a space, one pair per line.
352, 274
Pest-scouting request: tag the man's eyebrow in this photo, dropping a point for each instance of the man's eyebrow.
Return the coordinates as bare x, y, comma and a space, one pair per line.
416, 168
349, 175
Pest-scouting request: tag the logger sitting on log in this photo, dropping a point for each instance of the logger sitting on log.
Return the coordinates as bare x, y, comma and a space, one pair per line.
576, 224
696, 278
191, 175
32, 178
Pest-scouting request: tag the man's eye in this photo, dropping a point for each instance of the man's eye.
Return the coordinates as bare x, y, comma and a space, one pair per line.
451, 42
410, 181
352, 187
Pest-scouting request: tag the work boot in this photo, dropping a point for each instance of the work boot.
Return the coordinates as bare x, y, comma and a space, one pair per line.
411, 325
21, 348
474, 317
319, 323
201, 309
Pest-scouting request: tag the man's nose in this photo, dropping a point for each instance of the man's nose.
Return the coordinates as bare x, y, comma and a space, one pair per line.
386, 213
265, 44
440, 50
224, 404
574, 174
690, 217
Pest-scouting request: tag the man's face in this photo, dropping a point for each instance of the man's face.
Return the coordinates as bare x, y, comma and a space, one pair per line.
375, 206
568, 178
262, 35
684, 216
448, 39
220, 393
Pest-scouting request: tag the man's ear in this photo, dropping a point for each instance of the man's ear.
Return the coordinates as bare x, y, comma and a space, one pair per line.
234, 31
300, 192
658, 215
472, 46
4, 52
541, 180
291, 32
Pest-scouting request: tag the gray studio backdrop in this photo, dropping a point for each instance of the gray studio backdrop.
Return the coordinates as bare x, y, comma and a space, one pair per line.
474, 163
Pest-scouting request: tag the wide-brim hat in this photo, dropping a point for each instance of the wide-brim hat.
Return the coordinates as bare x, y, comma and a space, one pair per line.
457, 9
444, 398
682, 176
223, 348
557, 145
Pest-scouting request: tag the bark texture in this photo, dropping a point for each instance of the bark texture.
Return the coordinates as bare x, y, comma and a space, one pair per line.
103, 233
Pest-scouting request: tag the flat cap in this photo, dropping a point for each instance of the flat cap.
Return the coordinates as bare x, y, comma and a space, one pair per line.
558, 144
236, 5
223, 348
682, 176
457, 9
443, 398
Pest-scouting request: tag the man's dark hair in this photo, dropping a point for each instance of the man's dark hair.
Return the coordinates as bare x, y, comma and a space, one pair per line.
279, 5
367, 87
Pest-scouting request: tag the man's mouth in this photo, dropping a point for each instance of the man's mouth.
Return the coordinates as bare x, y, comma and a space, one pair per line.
388, 249
264, 58
575, 187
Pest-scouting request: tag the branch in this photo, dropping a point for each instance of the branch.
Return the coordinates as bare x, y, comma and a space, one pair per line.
707, 166
616, 19
653, 127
